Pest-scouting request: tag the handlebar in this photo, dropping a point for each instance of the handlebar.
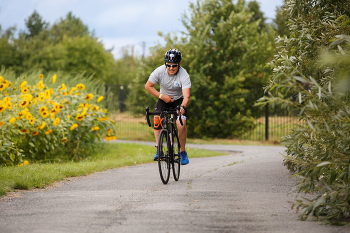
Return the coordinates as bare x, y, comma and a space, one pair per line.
170, 111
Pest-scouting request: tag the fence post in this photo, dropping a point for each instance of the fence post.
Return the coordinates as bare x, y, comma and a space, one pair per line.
121, 98
266, 120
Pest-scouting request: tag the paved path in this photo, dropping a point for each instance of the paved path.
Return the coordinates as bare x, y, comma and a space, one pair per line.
241, 192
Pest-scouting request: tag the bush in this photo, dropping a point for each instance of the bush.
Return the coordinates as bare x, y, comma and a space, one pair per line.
44, 120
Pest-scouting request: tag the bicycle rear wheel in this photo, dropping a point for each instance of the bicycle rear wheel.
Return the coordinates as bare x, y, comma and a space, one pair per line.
176, 156
163, 156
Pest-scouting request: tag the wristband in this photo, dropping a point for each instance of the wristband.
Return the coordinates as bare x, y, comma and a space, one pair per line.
160, 96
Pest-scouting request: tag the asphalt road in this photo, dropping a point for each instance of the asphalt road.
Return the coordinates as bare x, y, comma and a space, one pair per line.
241, 192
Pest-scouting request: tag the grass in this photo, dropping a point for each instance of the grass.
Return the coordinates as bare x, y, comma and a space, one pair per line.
113, 155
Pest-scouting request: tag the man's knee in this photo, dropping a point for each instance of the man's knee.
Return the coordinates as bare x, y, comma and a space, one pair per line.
158, 123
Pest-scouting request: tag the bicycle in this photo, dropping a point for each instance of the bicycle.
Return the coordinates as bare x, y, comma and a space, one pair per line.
168, 144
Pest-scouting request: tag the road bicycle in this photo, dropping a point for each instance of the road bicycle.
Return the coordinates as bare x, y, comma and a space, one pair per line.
168, 143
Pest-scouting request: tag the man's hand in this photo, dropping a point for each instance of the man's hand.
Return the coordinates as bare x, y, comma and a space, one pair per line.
167, 98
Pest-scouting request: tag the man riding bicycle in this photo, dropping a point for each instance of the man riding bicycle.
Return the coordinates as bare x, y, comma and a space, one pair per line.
175, 85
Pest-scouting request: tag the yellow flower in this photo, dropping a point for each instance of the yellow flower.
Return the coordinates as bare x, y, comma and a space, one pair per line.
52, 116
3, 107
41, 76
57, 107
29, 116
12, 120
84, 111
2, 123
35, 100
34, 133
95, 128
25, 90
43, 109
2, 86
44, 114
23, 164
56, 122
89, 96
23, 84
41, 96
24, 131
54, 78
24, 103
68, 116
95, 108
63, 87
42, 125
79, 117
9, 84
71, 90
73, 126
80, 86
111, 138
31, 121
47, 94
41, 85
64, 140
49, 131
99, 99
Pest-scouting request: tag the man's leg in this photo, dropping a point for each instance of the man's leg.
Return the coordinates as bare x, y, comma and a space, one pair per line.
182, 134
156, 135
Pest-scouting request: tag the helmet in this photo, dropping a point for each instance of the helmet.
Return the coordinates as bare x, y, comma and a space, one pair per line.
172, 56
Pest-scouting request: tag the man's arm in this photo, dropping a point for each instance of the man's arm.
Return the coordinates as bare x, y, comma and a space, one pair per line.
150, 88
186, 94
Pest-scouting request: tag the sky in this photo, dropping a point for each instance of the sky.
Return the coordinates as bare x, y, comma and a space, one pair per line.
117, 23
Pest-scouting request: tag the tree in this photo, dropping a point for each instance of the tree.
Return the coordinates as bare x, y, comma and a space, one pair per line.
280, 22
306, 70
224, 53
253, 6
35, 24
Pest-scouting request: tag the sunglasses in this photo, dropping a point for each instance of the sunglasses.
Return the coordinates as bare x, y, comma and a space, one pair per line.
167, 65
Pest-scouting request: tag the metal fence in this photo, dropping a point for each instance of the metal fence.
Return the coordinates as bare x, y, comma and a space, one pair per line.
272, 122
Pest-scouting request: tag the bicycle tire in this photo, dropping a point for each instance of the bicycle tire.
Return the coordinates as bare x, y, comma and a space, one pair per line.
163, 156
176, 156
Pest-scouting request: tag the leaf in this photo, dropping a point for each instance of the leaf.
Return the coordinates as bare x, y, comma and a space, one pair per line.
301, 79
31, 144
310, 125
323, 163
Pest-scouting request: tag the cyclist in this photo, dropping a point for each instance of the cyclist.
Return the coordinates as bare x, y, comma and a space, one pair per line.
175, 85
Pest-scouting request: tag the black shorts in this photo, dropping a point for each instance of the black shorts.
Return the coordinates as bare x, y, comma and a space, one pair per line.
161, 104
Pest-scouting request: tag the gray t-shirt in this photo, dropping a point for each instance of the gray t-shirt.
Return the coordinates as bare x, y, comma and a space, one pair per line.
171, 84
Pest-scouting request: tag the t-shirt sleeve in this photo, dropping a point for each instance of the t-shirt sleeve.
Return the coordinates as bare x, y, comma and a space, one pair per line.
154, 77
186, 82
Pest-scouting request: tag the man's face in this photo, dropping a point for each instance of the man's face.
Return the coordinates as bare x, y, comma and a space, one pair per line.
172, 68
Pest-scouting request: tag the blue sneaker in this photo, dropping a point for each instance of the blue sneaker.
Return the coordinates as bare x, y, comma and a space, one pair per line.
155, 158
184, 159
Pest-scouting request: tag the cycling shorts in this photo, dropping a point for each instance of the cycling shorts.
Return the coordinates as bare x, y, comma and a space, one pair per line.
161, 104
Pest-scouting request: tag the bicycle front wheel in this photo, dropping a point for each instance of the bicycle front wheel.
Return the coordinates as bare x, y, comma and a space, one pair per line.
163, 156
176, 156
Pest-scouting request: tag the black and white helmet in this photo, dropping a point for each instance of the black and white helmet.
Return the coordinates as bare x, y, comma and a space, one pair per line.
172, 56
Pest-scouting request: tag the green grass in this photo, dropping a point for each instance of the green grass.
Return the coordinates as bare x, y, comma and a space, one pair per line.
113, 155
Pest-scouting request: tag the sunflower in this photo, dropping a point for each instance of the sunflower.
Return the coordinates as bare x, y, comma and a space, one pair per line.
43, 109
23, 84
2, 86
95, 108
79, 117
54, 78
47, 94
41, 76
42, 125
24, 103
57, 107
73, 126
56, 121
49, 131
25, 90
64, 140
68, 116
89, 96
29, 116
41, 85
2, 123
9, 84
31, 121
34, 133
44, 114
71, 90
24, 131
80, 86
95, 128
64, 93
41, 96
12, 120
63, 87
99, 99
3, 107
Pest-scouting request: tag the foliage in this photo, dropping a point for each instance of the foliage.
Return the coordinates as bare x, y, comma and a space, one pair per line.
223, 52
67, 46
307, 68
44, 120
280, 22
